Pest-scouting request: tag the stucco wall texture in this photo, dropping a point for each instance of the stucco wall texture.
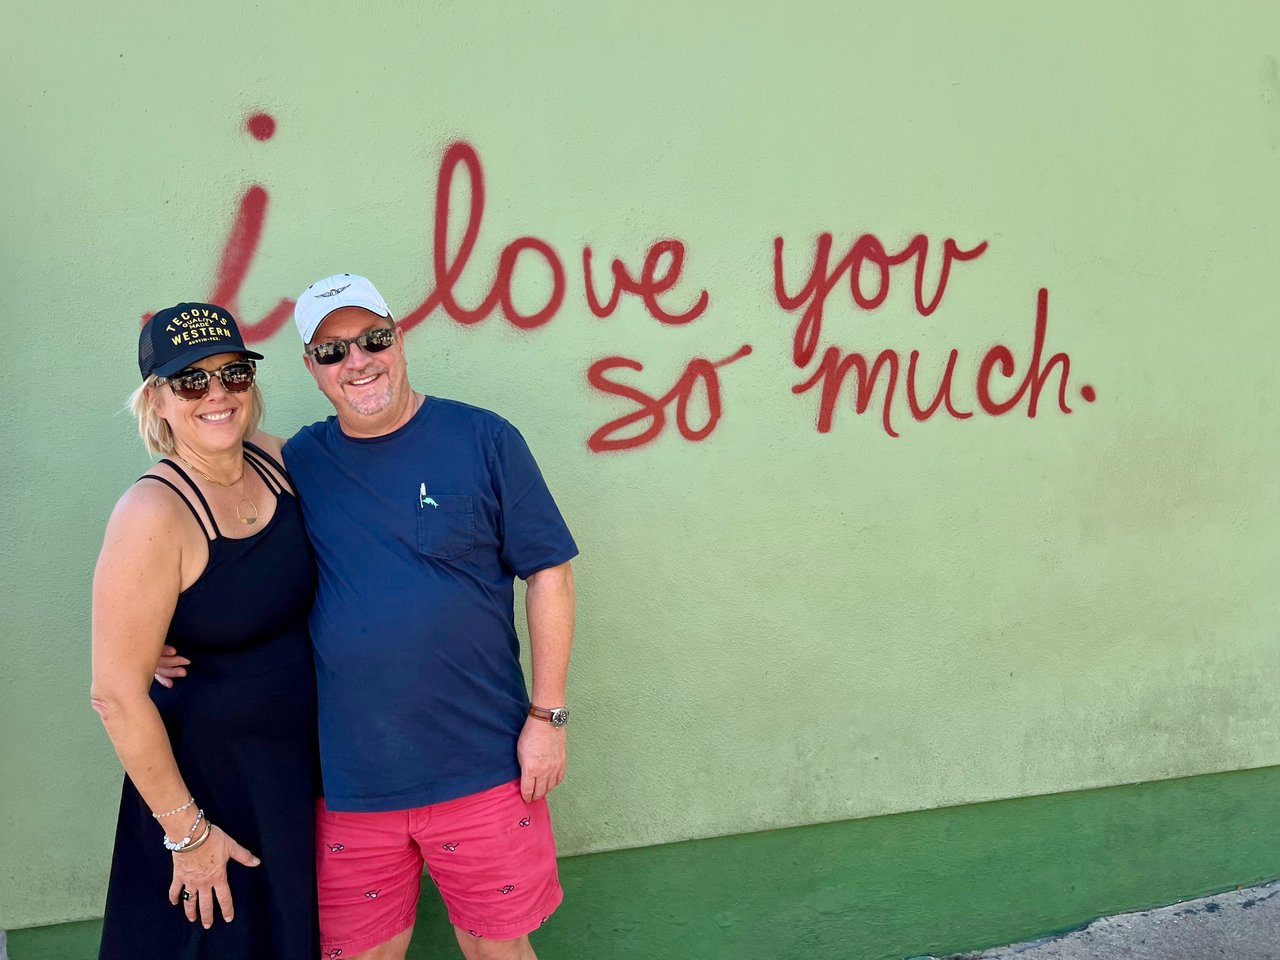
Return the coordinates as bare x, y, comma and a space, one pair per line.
788, 615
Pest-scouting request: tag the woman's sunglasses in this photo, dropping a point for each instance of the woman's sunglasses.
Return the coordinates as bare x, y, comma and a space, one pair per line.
335, 351
193, 383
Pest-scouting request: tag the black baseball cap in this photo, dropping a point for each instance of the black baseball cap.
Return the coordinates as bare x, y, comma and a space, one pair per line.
178, 336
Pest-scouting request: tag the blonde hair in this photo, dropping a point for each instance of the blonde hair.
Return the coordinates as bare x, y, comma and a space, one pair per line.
154, 429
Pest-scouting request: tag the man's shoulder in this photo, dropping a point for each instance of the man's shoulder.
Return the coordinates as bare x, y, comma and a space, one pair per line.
468, 416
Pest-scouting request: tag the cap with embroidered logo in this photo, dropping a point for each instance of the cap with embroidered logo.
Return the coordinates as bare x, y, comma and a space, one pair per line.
178, 336
333, 293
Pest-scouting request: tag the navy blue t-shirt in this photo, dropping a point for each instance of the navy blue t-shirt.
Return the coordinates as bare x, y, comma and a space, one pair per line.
418, 535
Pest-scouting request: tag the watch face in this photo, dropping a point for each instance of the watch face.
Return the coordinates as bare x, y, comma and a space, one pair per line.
559, 716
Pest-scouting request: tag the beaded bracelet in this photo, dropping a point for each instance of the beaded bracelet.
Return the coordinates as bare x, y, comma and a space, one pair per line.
173, 846
170, 813
208, 828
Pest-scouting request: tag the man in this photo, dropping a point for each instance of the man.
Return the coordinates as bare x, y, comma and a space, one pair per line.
421, 512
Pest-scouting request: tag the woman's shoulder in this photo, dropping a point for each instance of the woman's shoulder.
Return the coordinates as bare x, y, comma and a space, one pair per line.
150, 513
147, 541
156, 496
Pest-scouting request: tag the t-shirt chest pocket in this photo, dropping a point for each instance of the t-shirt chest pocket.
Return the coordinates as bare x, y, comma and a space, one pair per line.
446, 525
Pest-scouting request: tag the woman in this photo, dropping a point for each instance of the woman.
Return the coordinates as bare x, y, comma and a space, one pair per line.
207, 552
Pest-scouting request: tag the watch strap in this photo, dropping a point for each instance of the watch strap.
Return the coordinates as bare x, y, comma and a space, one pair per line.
543, 713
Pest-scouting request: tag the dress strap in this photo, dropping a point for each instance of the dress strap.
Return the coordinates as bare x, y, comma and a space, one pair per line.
183, 497
192, 484
266, 456
283, 482
268, 478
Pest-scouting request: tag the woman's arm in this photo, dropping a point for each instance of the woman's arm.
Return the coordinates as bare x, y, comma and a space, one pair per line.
135, 592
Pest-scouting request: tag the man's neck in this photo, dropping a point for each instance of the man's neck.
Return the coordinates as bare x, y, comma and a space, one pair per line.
366, 429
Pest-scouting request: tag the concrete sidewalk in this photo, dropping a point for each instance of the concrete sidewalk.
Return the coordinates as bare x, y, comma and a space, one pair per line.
1241, 925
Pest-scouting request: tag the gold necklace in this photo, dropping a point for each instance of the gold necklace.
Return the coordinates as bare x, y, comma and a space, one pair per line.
252, 516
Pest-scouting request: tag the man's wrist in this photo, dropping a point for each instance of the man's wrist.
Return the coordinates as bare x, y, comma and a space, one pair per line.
556, 716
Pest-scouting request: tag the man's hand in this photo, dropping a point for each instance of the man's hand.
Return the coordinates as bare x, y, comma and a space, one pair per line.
541, 752
171, 665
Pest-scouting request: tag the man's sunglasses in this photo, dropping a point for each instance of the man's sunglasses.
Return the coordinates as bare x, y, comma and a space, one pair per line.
193, 383
335, 351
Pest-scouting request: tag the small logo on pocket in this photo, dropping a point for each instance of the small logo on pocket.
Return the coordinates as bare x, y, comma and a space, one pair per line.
423, 499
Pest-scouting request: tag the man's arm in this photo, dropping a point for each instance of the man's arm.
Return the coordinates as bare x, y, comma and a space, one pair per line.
171, 665
549, 610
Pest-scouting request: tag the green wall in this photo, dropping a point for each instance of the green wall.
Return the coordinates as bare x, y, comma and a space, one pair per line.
778, 626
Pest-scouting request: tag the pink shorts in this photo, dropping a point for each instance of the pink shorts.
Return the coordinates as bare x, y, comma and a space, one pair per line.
491, 855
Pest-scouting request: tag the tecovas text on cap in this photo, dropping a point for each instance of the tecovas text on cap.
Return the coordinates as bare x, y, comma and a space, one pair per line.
178, 336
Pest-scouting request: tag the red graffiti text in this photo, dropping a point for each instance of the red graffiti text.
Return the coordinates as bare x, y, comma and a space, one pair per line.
866, 251
835, 364
653, 410
652, 285
869, 266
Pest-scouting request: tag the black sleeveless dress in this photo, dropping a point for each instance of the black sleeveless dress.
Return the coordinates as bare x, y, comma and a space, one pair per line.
242, 724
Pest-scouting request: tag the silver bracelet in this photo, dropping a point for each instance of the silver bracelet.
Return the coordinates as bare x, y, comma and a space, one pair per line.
173, 846
208, 828
170, 813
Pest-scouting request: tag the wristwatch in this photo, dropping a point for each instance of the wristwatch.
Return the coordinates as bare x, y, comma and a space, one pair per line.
556, 716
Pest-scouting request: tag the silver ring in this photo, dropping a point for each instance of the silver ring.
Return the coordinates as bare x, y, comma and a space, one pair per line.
186, 894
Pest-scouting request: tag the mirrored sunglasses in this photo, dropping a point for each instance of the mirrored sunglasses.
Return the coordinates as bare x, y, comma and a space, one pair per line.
193, 383
335, 351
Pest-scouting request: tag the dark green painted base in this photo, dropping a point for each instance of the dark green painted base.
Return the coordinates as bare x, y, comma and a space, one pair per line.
937, 881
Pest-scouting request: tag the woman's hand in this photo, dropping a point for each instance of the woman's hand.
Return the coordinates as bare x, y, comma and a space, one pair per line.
201, 875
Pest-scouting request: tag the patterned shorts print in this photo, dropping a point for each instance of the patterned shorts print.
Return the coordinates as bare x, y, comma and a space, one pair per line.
491, 855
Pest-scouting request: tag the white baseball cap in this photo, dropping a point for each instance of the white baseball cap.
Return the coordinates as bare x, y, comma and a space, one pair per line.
333, 293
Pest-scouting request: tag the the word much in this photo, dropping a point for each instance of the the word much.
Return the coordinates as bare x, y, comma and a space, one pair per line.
1000, 384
